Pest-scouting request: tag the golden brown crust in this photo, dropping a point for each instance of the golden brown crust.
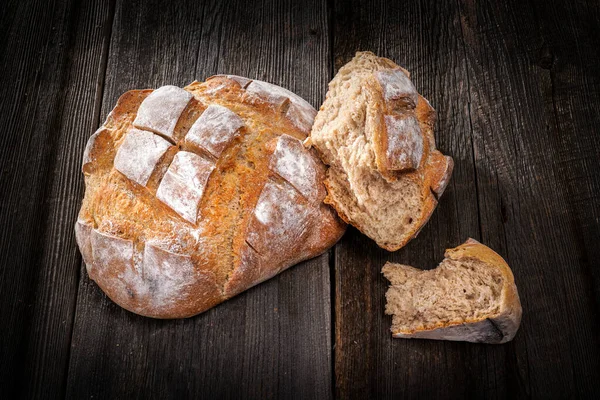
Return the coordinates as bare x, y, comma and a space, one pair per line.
399, 128
499, 327
176, 243
509, 316
429, 206
434, 171
400, 143
471, 248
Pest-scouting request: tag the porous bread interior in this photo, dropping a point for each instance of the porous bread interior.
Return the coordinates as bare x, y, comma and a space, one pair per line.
385, 211
120, 207
457, 291
390, 211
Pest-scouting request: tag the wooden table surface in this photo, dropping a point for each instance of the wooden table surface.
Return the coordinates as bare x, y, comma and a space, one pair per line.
517, 89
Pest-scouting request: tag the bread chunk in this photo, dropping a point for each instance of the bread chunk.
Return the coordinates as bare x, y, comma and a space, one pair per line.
375, 132
194, 195
471, 296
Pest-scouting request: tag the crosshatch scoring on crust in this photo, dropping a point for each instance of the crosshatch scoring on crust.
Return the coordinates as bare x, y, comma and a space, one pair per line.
178, 227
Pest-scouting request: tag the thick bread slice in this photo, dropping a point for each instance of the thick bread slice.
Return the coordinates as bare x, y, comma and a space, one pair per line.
194, 195
375, 132
471, 296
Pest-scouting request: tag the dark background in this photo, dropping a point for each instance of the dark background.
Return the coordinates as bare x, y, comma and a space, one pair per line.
517, 89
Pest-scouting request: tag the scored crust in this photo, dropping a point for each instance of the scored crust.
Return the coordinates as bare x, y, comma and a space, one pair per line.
495, 327
194, 195
375, 132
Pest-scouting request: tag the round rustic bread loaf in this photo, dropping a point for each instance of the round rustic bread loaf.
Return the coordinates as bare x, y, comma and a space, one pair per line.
194, 195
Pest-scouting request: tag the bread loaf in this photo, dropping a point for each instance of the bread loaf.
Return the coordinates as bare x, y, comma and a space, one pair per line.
471, 296
194, 195
375, 132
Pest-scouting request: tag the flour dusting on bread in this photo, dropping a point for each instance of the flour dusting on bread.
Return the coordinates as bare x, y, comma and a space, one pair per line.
282, 219
87, 153
404, 142
300, 112
397, 85
295, 164
83, 231
183, 185
160, 111
109, 251
139, 154
167, 275
190, 202
215, 129
375, 133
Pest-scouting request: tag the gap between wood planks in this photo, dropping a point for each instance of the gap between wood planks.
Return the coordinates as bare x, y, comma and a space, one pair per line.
107, 34
332, 286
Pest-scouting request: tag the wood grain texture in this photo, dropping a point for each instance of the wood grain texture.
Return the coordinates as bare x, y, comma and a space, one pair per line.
558, 352
50, 57
420, 38
517, 89
534, 198
273, 341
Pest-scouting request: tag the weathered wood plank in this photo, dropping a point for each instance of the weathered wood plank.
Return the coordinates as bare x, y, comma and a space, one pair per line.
520, 146
50, 56
534, 152
275, 339
517, 90
572, 91
367, 360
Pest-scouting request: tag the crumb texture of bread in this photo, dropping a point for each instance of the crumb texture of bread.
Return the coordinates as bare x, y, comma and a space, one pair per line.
375, 133
194, 195
471, 296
